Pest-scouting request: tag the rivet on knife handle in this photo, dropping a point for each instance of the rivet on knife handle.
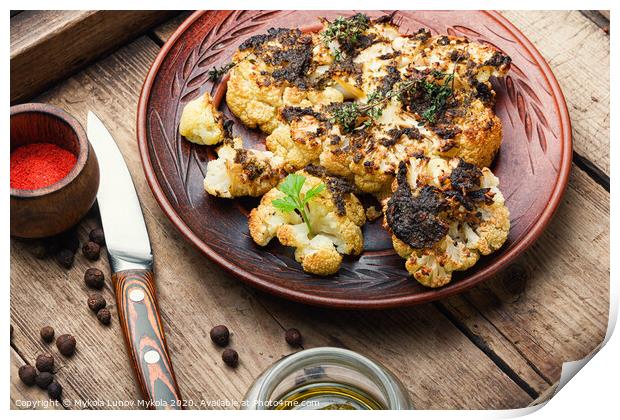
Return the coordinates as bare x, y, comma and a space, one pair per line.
144, 335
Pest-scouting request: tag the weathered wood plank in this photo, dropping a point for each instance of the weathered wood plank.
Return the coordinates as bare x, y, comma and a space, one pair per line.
48, 45
165, 30
599, 17
194, 295
551, 306
578, 52
25, 397
439, 365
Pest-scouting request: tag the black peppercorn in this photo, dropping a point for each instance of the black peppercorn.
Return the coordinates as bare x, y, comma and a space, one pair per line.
66, 344
43, 379
65, 258
104, 316
27, 374
45, 363
220, 335
54, 390
96, 302
91, 250
93, 277
230, 357
47, 334
96, 235
293, 337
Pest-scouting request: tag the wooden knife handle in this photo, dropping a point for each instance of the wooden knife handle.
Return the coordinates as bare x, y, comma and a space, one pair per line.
138, 313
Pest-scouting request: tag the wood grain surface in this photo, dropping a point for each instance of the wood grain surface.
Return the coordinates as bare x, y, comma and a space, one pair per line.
47, 45
500, 345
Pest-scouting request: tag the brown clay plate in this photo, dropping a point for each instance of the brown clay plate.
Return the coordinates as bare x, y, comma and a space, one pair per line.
533, 164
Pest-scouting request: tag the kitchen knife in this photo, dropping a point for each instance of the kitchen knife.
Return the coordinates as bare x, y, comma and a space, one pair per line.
131, 261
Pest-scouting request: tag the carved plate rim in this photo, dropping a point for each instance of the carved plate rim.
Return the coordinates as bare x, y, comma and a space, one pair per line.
561, 182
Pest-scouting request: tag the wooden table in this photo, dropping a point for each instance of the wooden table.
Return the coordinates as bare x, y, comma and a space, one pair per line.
499, 345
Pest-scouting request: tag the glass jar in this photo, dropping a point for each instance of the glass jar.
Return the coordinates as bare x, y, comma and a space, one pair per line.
326, 378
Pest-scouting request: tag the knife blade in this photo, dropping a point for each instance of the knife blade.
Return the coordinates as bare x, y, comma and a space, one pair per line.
131, 261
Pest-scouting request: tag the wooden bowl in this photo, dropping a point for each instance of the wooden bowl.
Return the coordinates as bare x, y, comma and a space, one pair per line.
533, 164
55, 208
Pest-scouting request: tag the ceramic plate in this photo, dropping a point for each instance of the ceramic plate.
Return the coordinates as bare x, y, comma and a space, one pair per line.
533, 164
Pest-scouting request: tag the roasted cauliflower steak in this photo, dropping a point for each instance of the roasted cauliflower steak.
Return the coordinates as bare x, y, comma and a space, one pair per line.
335, 215
443, 215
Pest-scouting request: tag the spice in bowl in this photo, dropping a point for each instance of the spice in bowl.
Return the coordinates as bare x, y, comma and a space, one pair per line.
39, 165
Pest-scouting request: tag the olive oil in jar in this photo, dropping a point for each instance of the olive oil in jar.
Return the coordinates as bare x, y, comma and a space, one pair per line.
327, 396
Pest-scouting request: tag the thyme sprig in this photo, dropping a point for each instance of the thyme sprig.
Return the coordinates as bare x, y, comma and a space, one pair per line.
352, 115
346, 31
216, 73
437, 95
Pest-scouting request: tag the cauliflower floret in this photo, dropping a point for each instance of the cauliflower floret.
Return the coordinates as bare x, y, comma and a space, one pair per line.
335, 215
201, 122
300, 141
443, 216
316, 255
240, 172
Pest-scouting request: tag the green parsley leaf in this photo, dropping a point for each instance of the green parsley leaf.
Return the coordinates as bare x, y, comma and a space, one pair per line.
294, 200
317, 189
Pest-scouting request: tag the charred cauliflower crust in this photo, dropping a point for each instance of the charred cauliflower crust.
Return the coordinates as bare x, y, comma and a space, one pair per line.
443, 215
241, 172
272, 71
335, 214
201, 122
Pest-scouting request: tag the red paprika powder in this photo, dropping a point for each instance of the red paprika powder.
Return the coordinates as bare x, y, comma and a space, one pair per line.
38, 165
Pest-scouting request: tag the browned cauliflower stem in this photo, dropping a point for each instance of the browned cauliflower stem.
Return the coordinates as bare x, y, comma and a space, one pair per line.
292, 86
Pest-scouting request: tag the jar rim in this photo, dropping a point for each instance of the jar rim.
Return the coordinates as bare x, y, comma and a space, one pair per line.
392, 388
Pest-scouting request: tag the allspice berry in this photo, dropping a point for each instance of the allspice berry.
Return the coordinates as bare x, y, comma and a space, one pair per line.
93, 277
45, 363
293, 337
47, 334
96, 235
104, 316
65, 258
27, 374
54, 390
91, 250
220, 335
96, 302
43, 379
66, 344
230, 357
